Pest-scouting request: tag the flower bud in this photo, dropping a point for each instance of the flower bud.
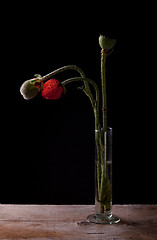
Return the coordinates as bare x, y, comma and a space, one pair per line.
106, 43
30, 89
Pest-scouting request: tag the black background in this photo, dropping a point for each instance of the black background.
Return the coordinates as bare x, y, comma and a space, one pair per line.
48, 149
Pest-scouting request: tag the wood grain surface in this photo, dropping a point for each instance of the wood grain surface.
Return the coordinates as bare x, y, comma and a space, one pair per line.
48, 222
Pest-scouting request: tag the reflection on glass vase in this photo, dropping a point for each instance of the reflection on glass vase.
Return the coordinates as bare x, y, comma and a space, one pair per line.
103, 179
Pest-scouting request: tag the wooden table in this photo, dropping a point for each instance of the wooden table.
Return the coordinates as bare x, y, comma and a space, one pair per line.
48, 222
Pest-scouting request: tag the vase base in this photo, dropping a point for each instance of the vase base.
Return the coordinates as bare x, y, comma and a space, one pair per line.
95, 219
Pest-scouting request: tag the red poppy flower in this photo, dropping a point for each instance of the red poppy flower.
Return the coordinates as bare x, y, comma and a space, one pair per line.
52, 89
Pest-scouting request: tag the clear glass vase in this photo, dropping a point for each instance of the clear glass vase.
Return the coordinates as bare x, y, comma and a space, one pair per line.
103, 179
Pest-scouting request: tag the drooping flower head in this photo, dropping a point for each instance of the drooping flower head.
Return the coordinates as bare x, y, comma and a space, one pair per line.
52, 89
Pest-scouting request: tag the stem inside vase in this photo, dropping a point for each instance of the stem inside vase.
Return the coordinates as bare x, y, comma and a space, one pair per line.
103, 166
103, 179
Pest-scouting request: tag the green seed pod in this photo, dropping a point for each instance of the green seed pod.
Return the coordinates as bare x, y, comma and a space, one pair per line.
106, 43
29, 89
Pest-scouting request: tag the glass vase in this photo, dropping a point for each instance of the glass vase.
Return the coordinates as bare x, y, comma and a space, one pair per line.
103, 179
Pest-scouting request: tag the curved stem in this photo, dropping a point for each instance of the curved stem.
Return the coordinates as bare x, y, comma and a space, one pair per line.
96, 103
79, 70
78, 79
62, 69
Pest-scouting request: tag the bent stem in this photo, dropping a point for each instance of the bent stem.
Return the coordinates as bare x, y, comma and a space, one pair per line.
86, 88
103, 184
95, 103
102, 179
100, 175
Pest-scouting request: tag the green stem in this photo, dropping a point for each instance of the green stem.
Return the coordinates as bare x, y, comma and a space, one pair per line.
100, 166
96, 102
102, 160
62, 69
103, 82
79, 70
